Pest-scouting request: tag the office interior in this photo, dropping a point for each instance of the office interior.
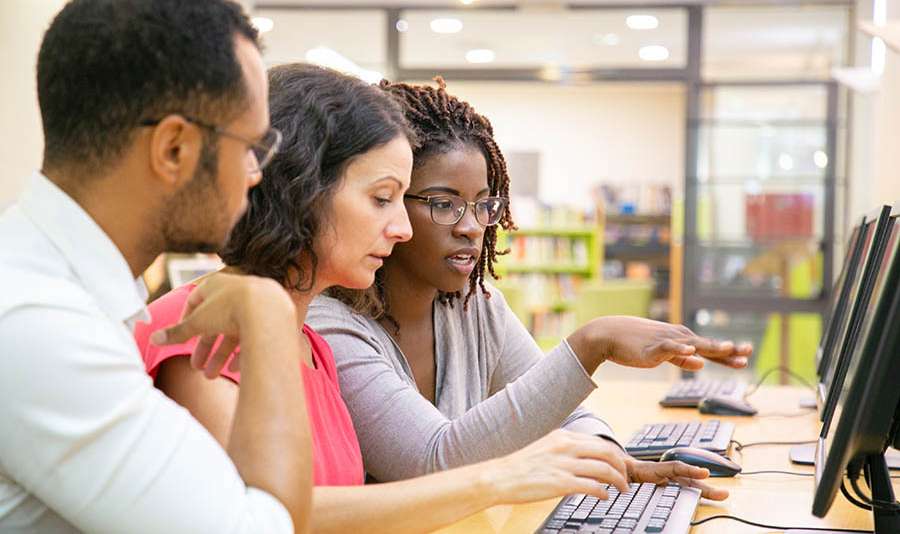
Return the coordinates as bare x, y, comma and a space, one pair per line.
703, 162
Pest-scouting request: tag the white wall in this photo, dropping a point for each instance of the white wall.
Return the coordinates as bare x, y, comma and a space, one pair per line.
610, 133
886, 134
22, 25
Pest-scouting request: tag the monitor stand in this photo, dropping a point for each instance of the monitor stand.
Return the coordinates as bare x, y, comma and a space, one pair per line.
879, 479
808, 402
887, 518
805, 455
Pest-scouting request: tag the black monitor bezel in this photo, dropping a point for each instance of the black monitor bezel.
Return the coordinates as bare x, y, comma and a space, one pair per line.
880, 218
838, 306
869, 421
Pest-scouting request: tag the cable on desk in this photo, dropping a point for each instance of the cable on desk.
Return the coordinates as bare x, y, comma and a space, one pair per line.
740, 446
860, 494
752, 389
794, 414
775, 472
851, 498
772, 527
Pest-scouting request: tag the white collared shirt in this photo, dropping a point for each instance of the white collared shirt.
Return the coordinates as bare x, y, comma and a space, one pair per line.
86, 442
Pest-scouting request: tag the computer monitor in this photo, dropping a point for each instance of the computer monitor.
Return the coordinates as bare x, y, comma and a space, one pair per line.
845, 328
866, 414
839, 294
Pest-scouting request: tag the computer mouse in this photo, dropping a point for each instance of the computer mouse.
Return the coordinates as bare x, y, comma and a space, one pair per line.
718, 465
720, 405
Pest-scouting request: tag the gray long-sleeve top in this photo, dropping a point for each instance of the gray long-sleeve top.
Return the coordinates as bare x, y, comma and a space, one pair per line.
495, 391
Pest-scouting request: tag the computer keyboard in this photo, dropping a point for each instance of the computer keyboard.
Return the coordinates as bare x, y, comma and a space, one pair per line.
651, 441
687, 393
645, 508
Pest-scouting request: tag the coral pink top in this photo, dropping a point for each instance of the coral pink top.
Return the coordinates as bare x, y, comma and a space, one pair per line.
336, 455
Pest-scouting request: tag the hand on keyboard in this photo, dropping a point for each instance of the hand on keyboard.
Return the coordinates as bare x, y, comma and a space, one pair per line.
638, 342
674, 472
558, 464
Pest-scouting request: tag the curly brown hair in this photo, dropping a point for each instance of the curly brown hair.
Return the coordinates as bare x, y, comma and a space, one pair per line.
327, 119
442, 123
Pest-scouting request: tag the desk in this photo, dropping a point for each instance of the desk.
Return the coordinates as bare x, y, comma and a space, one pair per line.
772, 499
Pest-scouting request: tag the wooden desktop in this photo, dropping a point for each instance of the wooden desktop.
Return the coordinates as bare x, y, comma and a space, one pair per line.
774, 499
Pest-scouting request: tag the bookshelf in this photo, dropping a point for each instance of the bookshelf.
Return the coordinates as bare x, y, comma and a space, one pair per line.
544, 272
638, 247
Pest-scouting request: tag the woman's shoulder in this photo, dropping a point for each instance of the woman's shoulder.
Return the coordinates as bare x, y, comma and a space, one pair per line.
327, 312
166, 310
487, 303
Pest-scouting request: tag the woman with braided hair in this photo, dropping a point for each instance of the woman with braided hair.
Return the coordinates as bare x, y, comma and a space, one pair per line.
329, 207
436, 370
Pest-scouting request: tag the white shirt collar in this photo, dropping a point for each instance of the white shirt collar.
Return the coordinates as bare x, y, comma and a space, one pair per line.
92, 255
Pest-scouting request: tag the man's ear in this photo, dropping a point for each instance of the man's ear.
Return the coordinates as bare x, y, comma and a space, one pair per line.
175, 146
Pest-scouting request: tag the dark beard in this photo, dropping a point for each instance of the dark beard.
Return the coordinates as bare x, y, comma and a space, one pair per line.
190, 219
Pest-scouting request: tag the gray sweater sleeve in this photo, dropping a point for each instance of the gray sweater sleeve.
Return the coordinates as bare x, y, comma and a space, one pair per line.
403, 435
520, 353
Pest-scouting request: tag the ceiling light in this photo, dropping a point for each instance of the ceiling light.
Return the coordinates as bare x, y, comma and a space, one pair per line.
641, 22
653, 53
446, 25
263, 24
326, 57
480, 55
402, 25
467, 2
820, 158
610, 39
785, 162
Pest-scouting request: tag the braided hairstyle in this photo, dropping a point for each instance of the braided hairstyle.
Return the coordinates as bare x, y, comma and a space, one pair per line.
442, 123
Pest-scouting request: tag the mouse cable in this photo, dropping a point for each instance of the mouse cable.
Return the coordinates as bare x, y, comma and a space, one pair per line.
806, 411
752, 389
774, 472
846, 493
772, 527
739, 446
861, 495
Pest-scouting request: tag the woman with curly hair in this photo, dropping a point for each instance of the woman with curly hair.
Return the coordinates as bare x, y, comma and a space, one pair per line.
435, 368
328, 211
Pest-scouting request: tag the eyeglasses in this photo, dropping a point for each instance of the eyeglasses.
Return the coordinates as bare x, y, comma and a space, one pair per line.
262, 151
449, 209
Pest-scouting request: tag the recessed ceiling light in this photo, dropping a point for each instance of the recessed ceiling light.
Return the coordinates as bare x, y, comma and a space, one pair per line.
446, 25
653, 53
480, 55
785, 161
327, 57
820, 158
402, 25
609, 39
641, 22
263, 24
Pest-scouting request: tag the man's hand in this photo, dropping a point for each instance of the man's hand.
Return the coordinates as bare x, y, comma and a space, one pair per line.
221, 310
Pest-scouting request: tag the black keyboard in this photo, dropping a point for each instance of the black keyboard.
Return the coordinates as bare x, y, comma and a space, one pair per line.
644, 508
688, 393
651, 441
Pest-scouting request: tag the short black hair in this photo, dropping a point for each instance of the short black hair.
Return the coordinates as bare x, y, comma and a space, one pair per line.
327, 119
106, 65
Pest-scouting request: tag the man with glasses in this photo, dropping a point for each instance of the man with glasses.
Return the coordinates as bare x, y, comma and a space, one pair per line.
156, 124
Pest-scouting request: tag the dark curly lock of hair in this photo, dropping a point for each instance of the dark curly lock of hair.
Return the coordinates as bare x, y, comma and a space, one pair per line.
106, 65
443, 123
327, 119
